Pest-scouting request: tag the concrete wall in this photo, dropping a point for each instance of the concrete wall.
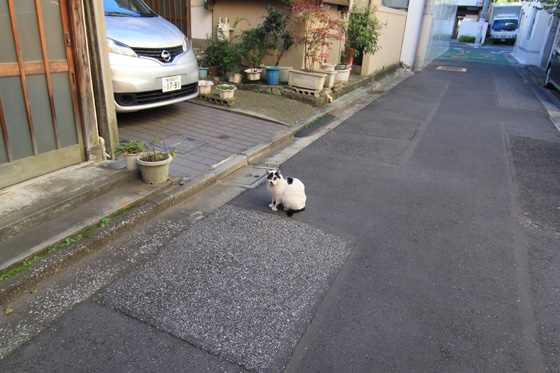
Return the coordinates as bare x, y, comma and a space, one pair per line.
201, 19
470, 28
249, 13
390, 40
533, 35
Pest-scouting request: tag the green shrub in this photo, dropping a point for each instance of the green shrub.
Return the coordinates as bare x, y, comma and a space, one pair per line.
467, 39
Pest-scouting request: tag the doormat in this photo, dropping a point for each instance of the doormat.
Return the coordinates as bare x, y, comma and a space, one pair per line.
448, 68
315, 125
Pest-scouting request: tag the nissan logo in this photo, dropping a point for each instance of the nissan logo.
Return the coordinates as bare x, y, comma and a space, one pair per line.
166, 55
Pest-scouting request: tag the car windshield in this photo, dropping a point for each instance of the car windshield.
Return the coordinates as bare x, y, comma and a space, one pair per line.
127, 8
504, 25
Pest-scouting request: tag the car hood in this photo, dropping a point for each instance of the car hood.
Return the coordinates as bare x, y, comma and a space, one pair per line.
143, 32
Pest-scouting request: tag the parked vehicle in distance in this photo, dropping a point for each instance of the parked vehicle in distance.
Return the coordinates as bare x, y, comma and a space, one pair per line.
504, 21
552, 77
152, 63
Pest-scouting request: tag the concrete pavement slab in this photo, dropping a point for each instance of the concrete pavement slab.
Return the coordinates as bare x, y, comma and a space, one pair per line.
537, 165
240, 284
515, 94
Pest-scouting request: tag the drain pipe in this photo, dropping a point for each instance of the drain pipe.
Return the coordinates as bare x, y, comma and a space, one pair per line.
412, 32
424, 35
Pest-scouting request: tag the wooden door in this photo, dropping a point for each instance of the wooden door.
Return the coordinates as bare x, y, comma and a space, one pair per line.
39, 112
175, 11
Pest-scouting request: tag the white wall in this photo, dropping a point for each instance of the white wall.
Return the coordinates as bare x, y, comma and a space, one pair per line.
470, 28
533, 33
201, 19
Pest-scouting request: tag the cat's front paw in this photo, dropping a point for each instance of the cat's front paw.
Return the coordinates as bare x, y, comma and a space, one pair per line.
271, 205
274, 208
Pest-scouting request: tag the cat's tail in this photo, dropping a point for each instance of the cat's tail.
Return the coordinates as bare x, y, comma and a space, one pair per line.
290, 212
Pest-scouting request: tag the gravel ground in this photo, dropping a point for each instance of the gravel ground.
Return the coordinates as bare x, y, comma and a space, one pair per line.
241, 284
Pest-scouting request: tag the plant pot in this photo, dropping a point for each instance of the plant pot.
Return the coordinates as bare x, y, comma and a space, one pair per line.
205, 87
234, 77
202, 72
284, 75
348, 52
309, 80
343, 75
272, 75
328, 66
213, 70
226, 94
253, 74
343, 66
130, 162
330, 79
154, 172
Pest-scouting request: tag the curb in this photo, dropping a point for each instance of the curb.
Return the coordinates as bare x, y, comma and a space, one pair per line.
58, 260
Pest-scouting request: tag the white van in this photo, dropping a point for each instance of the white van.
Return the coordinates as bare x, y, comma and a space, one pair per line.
152, 63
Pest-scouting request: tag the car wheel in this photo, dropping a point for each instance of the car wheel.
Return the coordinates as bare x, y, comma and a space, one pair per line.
546, 82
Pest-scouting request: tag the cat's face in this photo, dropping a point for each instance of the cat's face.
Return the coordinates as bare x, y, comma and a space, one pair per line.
273, 177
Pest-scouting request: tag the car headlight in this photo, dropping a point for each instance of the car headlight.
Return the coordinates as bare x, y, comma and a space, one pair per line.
120, 48
185, 44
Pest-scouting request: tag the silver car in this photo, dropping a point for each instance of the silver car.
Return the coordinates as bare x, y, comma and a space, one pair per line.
151, 60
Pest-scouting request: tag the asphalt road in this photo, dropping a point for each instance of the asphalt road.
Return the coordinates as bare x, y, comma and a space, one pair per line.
429, 244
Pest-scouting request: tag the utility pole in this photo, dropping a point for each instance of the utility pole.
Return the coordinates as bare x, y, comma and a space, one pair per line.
481, 22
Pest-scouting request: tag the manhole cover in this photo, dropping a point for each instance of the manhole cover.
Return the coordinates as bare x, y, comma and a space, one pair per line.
448, 68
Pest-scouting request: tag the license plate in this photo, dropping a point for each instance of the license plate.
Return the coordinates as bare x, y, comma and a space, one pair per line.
171, 83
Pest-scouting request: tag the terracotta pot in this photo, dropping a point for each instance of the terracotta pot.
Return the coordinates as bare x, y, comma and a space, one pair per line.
213, 70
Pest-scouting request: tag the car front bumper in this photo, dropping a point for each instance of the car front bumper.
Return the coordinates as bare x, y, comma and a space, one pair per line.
137, 82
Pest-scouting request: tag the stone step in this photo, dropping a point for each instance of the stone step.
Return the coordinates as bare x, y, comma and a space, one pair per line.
62, 206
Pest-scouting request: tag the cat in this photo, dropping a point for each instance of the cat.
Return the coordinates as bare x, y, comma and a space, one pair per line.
288, 193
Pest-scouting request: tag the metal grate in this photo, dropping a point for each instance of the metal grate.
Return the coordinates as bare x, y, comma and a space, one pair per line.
157, 53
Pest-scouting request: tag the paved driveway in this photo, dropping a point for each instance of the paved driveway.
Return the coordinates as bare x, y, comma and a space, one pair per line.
202, 135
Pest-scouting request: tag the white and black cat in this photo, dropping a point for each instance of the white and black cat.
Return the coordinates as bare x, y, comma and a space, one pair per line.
287, 192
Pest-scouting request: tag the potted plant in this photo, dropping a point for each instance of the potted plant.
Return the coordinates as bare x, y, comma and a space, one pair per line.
234, 76
277, 35
154, 164
316, 31
130, 150
253, 57
362, 35
226, 91
253, 73
223, 56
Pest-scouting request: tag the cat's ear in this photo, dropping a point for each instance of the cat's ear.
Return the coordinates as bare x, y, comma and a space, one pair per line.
278, 173
268, 172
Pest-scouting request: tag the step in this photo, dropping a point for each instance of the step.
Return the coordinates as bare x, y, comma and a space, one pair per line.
26, 205
126, 193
